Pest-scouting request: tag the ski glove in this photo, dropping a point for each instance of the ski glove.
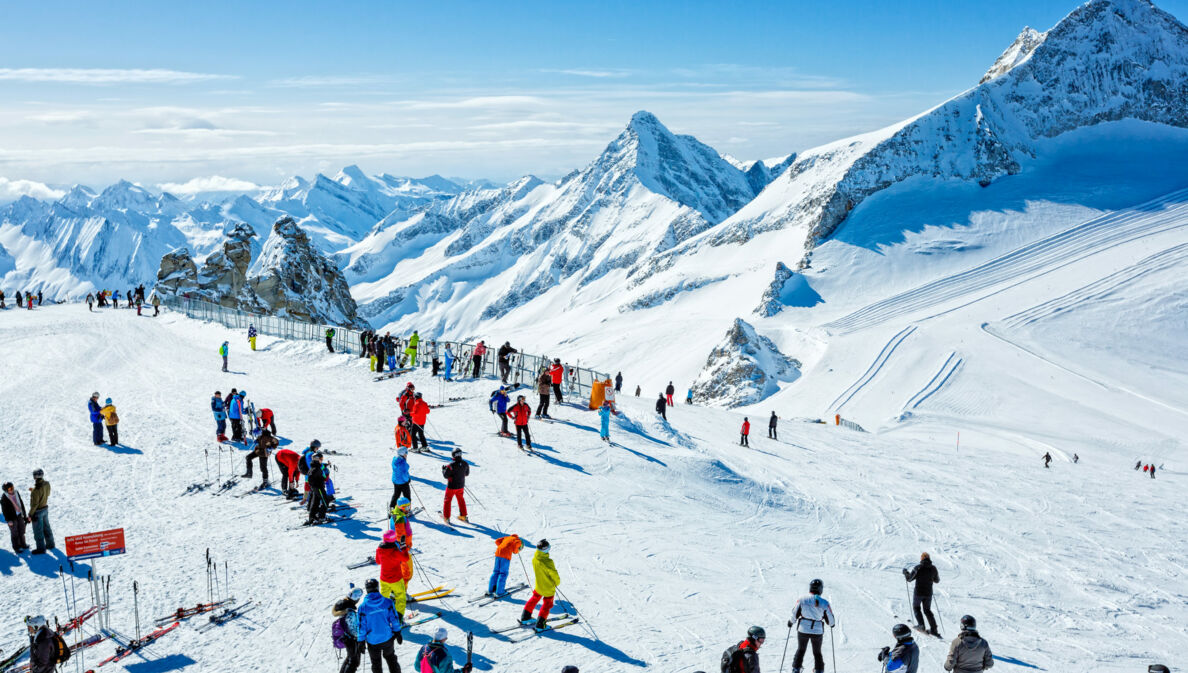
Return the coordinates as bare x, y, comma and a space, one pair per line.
467, 668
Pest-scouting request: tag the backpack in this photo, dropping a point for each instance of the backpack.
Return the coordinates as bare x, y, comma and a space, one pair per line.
61, 649
338, 633
730, 659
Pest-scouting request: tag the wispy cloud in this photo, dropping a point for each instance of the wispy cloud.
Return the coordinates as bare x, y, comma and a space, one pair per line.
106, 76
213, 183
577, 72
11, 190
477, 102
323, 81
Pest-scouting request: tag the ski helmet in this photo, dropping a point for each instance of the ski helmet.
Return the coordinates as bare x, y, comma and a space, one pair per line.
372, 585
356, 593
38, 473
418, 396
816, 587
968, 623
901, 630
390, 536
456, 453
402, 451
1158, 668
441, 634
36, 621
543, 545
315, 444
403, 502
756, 633
570, 669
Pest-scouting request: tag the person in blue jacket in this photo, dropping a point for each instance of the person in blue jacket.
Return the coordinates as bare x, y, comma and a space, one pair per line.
605, 413
219, 409
498, 405
434, 653
378, 627
449, 362
235, 413
400, 476
905, 657
96, 420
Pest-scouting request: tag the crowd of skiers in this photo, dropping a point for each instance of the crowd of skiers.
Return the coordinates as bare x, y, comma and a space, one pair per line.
25, 300
134, 298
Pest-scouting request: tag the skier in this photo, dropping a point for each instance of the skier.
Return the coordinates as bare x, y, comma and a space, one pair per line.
744, 657
319, 500
1152, 470
419, 411
520, 412
455, 473
556, 374
155, 300
400, 473
543, 388
43, 535
619, 382
905, 657
286, 462
637, 391
1076, 459
771, 426
1138, 465
380, 354
390, 350
403, 435
505, 352
90, 301
1047, 458
399, 521
379, 627
812, 614
433, 657
395, 570
604, 415
662, 407
264, 444
345, 631
219, 409
235, 413
411, 350
16, 516
477, 357
223, 351
449, 363
925, 575
252, 336
689, 397
504, 548
330, 339
96, 419
435, 363
746, 432
267, 420
406, 398
498, 405
547, 581
969, 653
111, 420
670, 391
43, 646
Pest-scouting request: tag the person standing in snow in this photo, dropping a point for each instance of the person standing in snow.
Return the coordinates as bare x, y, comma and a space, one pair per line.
252, 336
505, 353
363, 343
969, 652
319, 500
498, 405
455, 473
662, 407
224, 350
379, 627
286, 463
905, 658
477, 357
744, 657
608, 395
15, 516
345, 631
390, 350
406, 399
96, 412
330, 339
746, 432
556, 374
419, 413
43, 646
410, 351
392, 557
637, 391
604, 415
1152, 470
433, 657
812, 614
403, 435
111, 420
381, 354
399, 520
544, 389
219, 409
449, 363
1076, 459
1047, 458
619, 382
547, 581
90, 301
39, 493
235, 413
520, 413
505, 547
155, 300
924, 574
401, 476
771, 426
669, 392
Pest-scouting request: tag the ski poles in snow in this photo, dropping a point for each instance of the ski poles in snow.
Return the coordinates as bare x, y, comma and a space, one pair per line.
470, 495
578, 613
907, 586
136, 607
832, 652
786, 639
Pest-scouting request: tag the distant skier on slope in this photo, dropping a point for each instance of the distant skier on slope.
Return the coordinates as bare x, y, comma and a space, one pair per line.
604, 415
812, 614
924, 574
1047, 459
744, 657
455, 473
662, 407
669, 392
905, 658
547, 581
771, 426
746, 432
969, 653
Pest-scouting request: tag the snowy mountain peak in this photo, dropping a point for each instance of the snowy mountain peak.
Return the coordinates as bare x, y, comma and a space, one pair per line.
77, 198
351, 174
1019, 51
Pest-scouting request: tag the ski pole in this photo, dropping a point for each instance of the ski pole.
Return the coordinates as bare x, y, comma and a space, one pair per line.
226, 578
206, 451
414, 492
476, 500
469, 647
578, 613
136, 607
940, 620
786, 639
832, 652
526, 575
65, 594
209, 586
907, 586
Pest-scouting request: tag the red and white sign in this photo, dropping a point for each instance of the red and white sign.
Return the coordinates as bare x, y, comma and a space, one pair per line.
94, 545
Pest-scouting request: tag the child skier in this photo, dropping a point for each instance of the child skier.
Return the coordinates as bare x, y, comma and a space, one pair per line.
400, 473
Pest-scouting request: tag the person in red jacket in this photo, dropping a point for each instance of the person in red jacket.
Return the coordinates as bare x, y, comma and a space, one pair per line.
406, 398
477, 358
267, 420
746, 430
395, 570
418, 411
520, 412
286, 460
557, 372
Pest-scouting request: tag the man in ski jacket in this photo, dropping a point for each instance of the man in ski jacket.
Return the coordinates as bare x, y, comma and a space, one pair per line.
379, 626
477, 358
498, 405
544, 387
267, 420
286, 462
330, 339
39, 493
746, 431
455, 473
403, 435
520, 412
604, 415
252, 336
449, 363
433, 657
395, 570
812, 614
505, 352
43, 647
235, 413
264, 444
557, 375
771, 426
662, 407
96, 419
547, 581
619, 382
669, 392
969, 653
15, 516
411, 350
505, 547
905, 658
400, 472
219, 409
419, 412
925, 575
224, 350
744, 657
156, 302
319, 500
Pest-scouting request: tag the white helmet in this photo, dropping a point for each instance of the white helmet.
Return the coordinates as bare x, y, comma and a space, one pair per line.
402, 451
36, 621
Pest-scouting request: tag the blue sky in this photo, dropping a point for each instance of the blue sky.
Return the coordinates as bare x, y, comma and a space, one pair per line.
165, 92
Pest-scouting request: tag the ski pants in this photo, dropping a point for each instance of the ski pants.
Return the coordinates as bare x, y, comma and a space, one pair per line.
503, 419
392, 363
113, 434
542, 409
418, 433
919, 601
478, 365
669, 399
743, 441
412, 356
379, 364
498, 583
398, 490
353, 652
385, 651
97, 433
450, 494
262, 454
545, 605
557, 392
802, 641
220, 426
224, 363
771, 432
237, 429
604, 431
372, 369
398, 592
522, 430
504, 370
156, 310
663, 413
252, 342
318, 503
43, 535
16, 531
284, 473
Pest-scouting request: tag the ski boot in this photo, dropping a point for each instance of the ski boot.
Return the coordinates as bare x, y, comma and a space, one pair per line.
525, 618
542, 624
464, 519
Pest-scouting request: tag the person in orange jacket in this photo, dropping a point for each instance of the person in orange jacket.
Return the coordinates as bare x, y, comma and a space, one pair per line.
395, 570
520, 412
504, 548
405, 399
556, 372
746, 430
403, 435
419, 411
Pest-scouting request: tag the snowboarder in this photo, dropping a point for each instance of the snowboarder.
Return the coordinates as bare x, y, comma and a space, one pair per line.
771, 426
1047, 458
433, 657
547, 581
544, 385
969, 653
449, 363
43, 535
90, 302
1138, 465
505, 547
411, 350
379, 627
604, 415
905, 658
252, 336
925, 575
16, 516
520, 413
286, 462
505, 352
400, 473
264, 444
96, 419
498, 405
319, 500
477, 358
111, 419
395, 570
746, 432
345, 630
812, 614
662, 407
330, 332
419, 412
744, 657
43, 646
557, 374
670, 391
223, 351
455, 473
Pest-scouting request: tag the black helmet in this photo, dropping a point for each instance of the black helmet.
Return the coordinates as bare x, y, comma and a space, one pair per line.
372, 585
1158, 668
901, 631
543, 545
968, 623
38, 473
816, 587
315, 444
756, 632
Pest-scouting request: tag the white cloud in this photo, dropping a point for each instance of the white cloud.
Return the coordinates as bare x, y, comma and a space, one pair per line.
105, 76
63, 116
329, 81
11, 190
589, 73
477, 102
214, 183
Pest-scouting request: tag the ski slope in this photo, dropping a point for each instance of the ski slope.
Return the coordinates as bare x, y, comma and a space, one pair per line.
671, 541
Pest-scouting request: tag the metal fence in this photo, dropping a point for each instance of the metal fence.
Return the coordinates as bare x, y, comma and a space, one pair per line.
524, 367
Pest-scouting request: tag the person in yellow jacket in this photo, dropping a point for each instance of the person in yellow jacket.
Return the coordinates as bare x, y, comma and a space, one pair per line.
411, 351
547, 581
111, 420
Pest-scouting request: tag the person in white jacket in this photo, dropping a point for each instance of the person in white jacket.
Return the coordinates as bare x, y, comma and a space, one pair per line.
812, 615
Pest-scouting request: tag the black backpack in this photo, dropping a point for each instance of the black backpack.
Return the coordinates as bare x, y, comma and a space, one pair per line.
730, 659
61, 649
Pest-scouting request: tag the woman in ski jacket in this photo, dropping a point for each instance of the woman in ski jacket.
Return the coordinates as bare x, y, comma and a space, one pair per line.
96, 412
111, 420
400, 472
345, 630
395, 570
433, 657
378, 621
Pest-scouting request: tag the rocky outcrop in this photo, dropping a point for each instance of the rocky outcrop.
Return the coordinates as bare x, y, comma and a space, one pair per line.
223, 278
788, 288
745, 369
178, 274
296, 280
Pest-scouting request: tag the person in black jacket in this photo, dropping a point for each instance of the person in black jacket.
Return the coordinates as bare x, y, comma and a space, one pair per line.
505, 352
925, 575
662, 407
771, 426
744, 657
318, 500
619, 382
455, 473
16, 516
43, 650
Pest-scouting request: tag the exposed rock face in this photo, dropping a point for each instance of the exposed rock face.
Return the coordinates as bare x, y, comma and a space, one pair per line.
223, 276
178, 273
298, 281
788, 288
745, 369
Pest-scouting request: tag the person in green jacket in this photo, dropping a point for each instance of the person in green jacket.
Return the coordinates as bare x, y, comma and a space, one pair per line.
547, 581
435, 655
43, 535
411, 351
223, 350
330, 339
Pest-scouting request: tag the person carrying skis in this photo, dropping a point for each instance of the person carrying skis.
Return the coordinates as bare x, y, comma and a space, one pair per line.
812, 614
400, 472
15, 516
224, 350
419, 411
669, 392
744, 657
218, 408
557, 375
410, 351
547, 581
319, 500
379, 626
505, 547
604, 415
39, 493
505, 352
662, 407
433, 657
286, 462
43, 646
112, 420
498, 405
476, 357
96, 419
925, 575
619, 382
969, 652
1047, 458
746, 432
392, 557
449, 363
771, 426
455, 473
345, 631
520, 413
264, 444
905, 658
252, 336
544, 384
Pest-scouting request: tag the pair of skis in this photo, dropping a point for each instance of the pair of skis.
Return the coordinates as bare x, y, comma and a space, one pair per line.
392, 374
134, 645
435, 615
77, 621
487, 599
8, 665
322, 522
186, 613
551, 624
227, 615
430, 595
